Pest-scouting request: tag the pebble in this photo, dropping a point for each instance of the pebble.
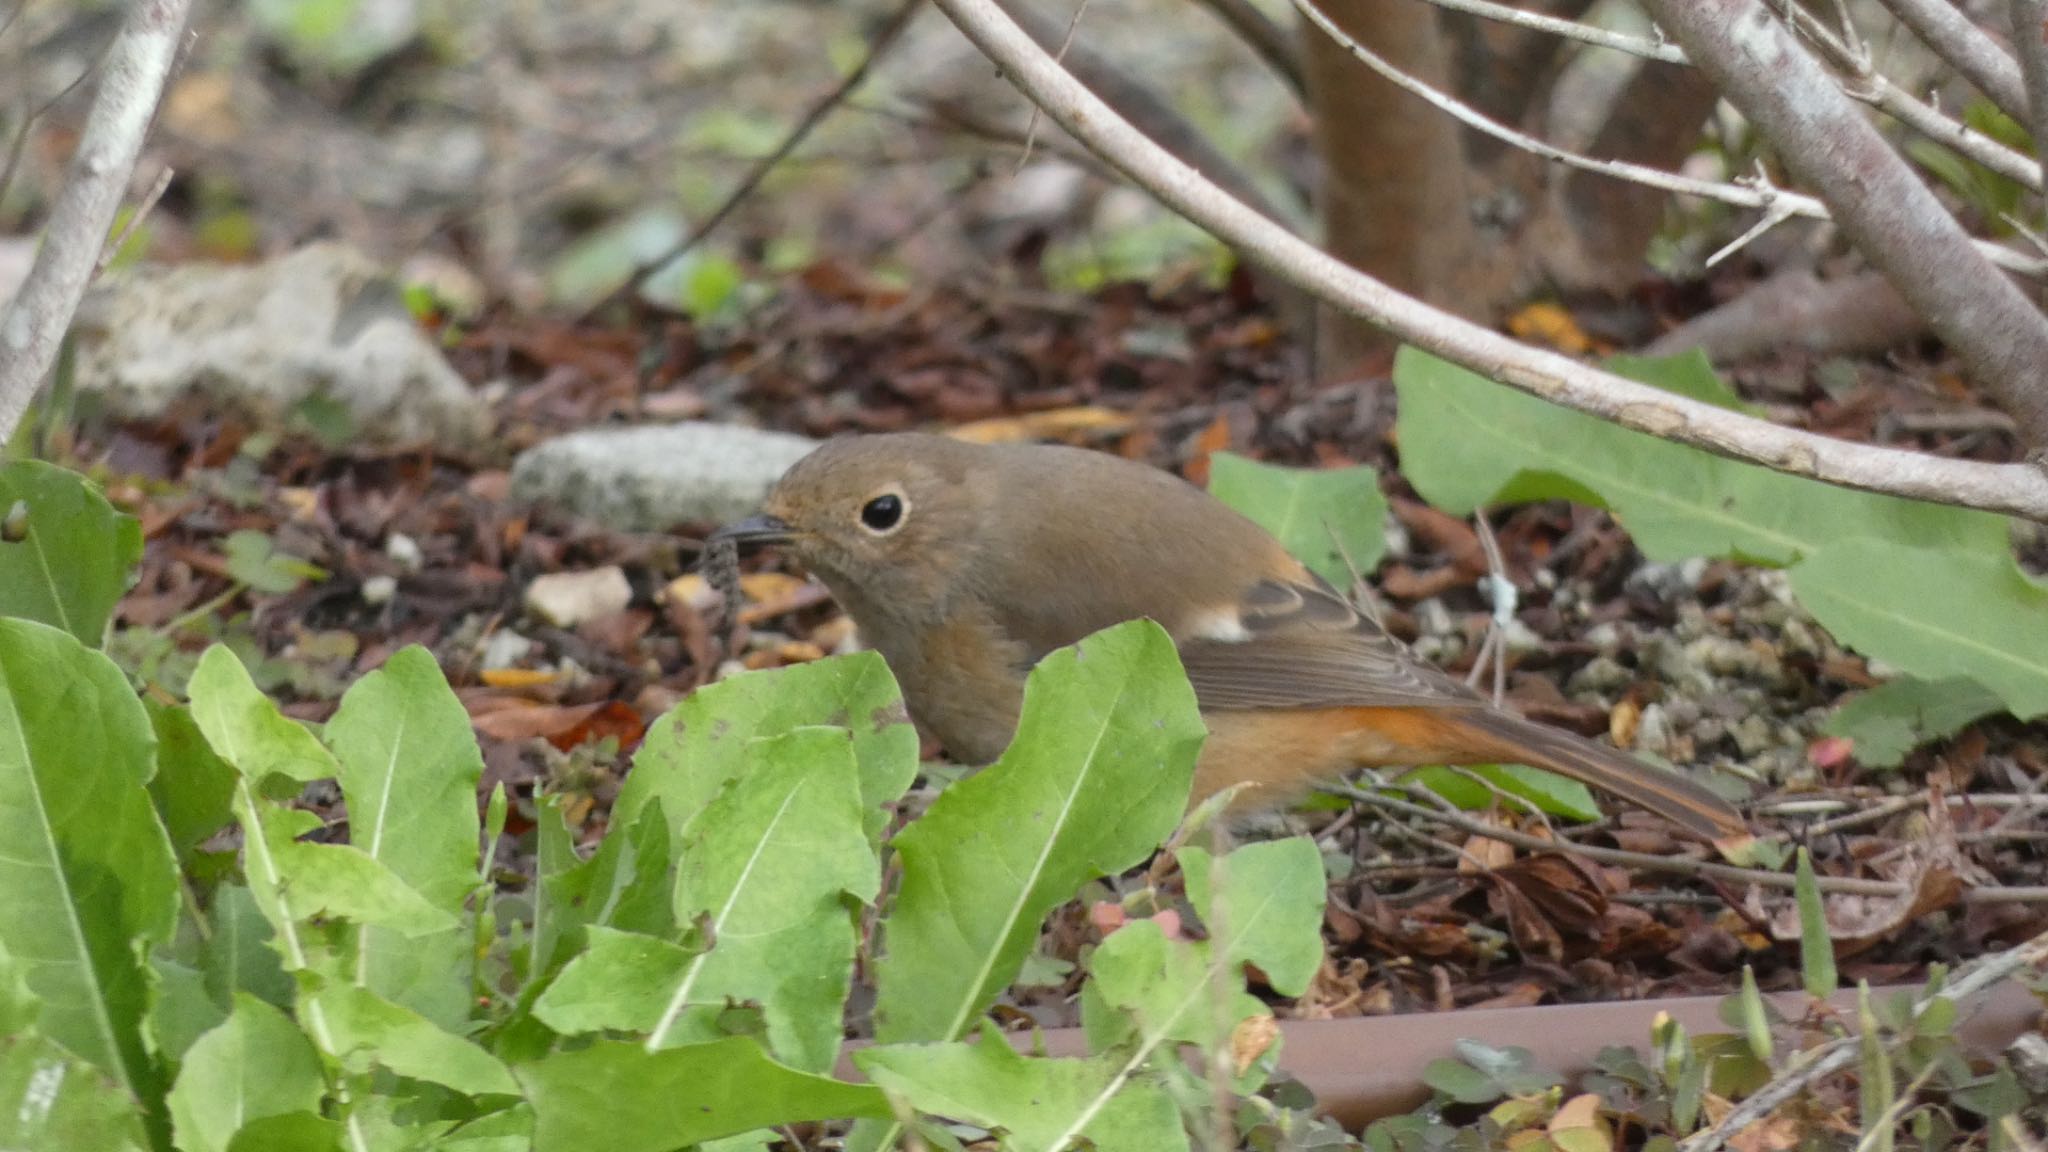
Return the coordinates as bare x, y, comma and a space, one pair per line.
1602, 674
1752, 735
1433, 618
404, 552
566, 599
505, 649
379, 589
1653, 731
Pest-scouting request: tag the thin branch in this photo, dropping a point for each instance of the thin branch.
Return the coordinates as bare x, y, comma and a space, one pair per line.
143, 208
1882, 206
1268, 40
2014, 488
1647, 47
2030, 38
1757, 194
1841, 1053
878, 45
1674, 866
1963, 46
1862, 81
131, 80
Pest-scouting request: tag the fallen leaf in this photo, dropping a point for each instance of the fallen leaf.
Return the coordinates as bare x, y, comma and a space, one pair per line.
517, 677
1252, 1038
1546, 323
1052, 424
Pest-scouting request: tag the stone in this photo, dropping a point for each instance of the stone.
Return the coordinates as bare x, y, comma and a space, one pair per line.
653, 477
566, 599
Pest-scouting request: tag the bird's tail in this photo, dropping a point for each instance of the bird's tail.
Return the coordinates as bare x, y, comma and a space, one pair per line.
1670, 795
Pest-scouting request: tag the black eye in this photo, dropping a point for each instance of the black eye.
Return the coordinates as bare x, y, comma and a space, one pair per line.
883, 512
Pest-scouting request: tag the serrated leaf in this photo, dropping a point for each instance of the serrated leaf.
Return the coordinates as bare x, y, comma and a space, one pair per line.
1167, 992
1040, 1105
768, 869
620, 1097
409, 767
1889, 721
302, 881
1547, 792
88, 881
51, 1101
1096, 778
691, 752
1466, 441
255, 1064
1935, 614
1321, 515
1271, 913
368, 1031
69, 561
246, 729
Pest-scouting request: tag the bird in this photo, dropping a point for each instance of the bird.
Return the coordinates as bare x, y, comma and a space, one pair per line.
965, 563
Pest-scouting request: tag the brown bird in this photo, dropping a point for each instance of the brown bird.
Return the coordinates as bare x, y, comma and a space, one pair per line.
963, 564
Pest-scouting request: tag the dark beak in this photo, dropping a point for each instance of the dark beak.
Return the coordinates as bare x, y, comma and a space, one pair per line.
752, 530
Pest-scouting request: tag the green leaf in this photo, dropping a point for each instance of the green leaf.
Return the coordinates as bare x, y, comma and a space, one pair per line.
1936, 614
290, 1132
620, 982
766, 876
69, 563
1460, 1081
1547, 792
1167, 992
1816, 945
622, 1098
691, 752
710, 285
88, 881
1466, 441
1271, 911
1889, 721
409, 771
1753, 1016
328, 881
1097, 776
193, 788
1040, 1105
1322, 515
1875, 1090
257, 1064
183, 1011
51, 1101
246, 729
239, 955
369, 1031
253, 559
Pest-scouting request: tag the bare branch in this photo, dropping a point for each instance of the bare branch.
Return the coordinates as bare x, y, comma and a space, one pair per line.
1647, 47
2013, 488
1893, 218
2030, 38
1272, 43
1866, 83
1962, 45
131, 80
1756, 194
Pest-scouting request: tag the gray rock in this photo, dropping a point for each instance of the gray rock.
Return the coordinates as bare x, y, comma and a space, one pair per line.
1752, 735
1601, 675
326, 321
1653, 731
650, 478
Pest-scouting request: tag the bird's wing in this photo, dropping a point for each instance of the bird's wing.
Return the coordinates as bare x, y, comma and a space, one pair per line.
1302, 645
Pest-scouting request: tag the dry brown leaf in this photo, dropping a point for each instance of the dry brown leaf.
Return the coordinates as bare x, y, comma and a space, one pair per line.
1547, 323
1051, 424
1252, 1038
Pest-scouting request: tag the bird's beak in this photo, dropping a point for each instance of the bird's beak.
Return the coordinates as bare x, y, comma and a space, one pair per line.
752, 530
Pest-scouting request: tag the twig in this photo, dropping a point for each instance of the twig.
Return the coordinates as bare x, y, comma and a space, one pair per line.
131, 80
1647, 47
2016, 488
878, 45
1270, 42
1676, 865
1504, 595
1756, 193
135, 219
1867, 84
1963, 46
1880, 203
1841, 1052
2030, 39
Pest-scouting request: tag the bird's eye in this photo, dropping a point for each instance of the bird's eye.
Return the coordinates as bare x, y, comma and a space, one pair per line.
882, 514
